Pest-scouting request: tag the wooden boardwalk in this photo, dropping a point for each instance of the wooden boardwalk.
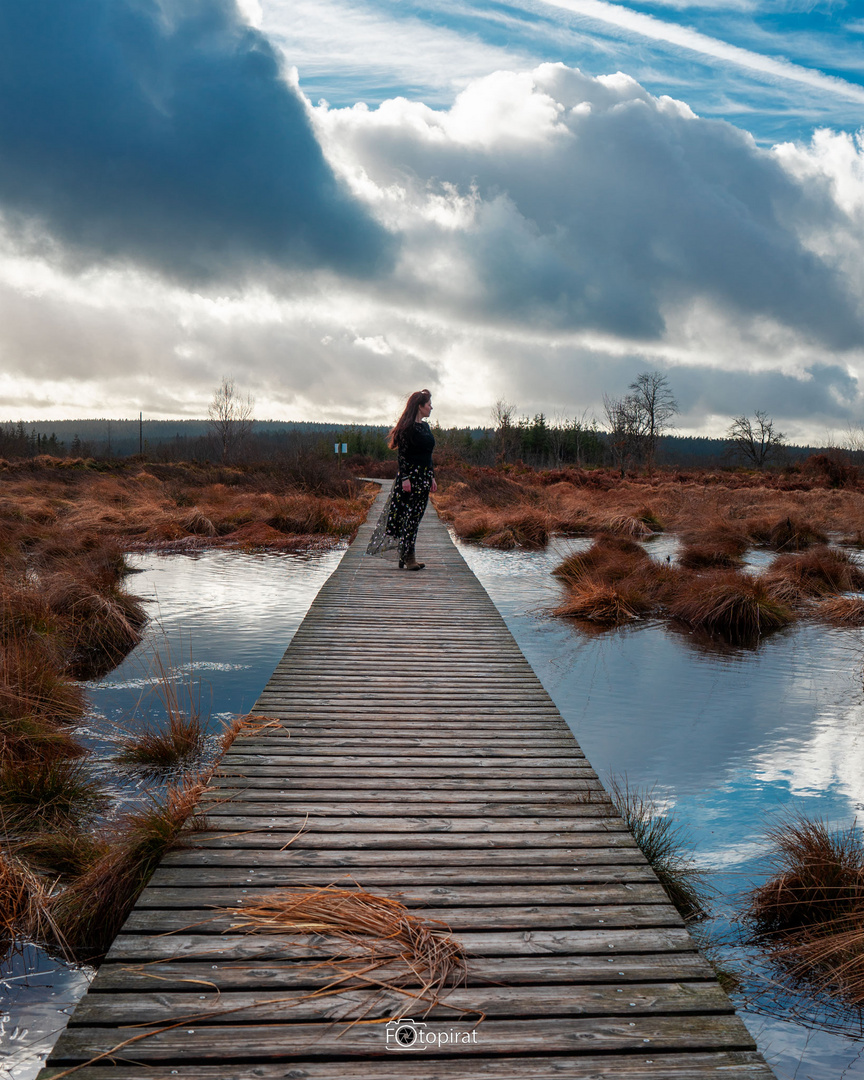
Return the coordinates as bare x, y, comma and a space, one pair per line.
435, 769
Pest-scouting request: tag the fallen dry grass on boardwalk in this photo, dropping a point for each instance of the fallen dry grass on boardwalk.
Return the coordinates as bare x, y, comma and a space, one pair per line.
376, 932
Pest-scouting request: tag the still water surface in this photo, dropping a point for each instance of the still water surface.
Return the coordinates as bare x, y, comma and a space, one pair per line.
729, 739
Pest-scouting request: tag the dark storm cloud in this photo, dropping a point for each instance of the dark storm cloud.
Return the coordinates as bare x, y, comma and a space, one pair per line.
826, 391
164, 133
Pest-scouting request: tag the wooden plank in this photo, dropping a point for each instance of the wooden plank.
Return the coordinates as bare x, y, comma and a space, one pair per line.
142, 947
216, 808
485, 786
715, 1065
409, 823
443, 878
275, 974
265, 1042
163, 1007
445, 788
168, 920
417, 857
190, 889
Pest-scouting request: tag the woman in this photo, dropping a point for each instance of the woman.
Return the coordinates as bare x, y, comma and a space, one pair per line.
413, 440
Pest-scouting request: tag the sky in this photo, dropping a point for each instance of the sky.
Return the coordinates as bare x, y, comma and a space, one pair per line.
336, 202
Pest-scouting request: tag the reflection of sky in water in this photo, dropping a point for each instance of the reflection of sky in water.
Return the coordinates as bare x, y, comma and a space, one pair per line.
732, 738
220, 622
226, 618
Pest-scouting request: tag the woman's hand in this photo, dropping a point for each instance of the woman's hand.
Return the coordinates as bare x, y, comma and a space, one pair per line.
406, 485
434, 487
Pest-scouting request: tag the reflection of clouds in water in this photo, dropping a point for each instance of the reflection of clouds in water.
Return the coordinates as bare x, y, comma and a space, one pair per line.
176, 672
832, 757
731, 854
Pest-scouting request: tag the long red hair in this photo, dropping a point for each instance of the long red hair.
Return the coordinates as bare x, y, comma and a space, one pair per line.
409, 415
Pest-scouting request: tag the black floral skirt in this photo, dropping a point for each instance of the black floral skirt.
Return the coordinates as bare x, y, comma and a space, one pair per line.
396, 531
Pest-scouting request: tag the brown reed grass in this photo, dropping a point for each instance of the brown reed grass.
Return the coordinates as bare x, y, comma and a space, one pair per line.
840, 610
810, 911
32, 686
67, 853
104, 623
604, 604
818, 876
44, 791
817, 572
663, 841
180, 739
26, 900
787, 534
376, 932
88, 914
737, 606
610, 558
627, 525
708, 556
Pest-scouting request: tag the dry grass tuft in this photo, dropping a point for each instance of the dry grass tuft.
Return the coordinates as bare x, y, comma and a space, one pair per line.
610, 558
707, 555
69, 852
817, 572
841, 610
662, 841
25, 904
628, 525
33, 688
606, 605
736, 606
198, 524
375, 931
818, 877
791, 534
44, 791
89, 913
105, 623
811, 911
180, 740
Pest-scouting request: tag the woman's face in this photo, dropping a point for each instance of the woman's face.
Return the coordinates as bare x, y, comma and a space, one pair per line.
424, 410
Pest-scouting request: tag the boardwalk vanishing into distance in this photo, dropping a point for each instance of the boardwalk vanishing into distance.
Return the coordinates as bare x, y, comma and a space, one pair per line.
417, 755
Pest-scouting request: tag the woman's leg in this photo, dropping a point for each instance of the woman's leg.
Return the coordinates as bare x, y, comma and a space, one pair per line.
415, 508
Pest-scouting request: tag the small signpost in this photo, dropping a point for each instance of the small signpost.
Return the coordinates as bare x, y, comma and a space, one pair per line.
341, 449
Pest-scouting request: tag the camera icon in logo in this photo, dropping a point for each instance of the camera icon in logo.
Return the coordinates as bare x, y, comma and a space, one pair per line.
404, 1034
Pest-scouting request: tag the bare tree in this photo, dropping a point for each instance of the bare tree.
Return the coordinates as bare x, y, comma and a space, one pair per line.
653, 399
624, 420
559, 436
755, 440
230, 418
507, 434
853, 437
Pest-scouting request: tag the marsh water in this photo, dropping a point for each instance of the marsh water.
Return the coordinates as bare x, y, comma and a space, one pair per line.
729, 739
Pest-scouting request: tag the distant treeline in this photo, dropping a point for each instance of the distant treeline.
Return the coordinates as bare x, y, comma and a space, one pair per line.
533, 441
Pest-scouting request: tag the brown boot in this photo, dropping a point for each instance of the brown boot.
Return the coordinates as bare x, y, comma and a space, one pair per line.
411, 562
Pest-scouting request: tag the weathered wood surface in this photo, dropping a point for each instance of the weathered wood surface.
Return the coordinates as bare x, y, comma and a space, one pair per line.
417, 756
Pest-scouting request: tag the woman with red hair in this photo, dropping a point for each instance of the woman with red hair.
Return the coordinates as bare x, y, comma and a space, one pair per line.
412, 438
